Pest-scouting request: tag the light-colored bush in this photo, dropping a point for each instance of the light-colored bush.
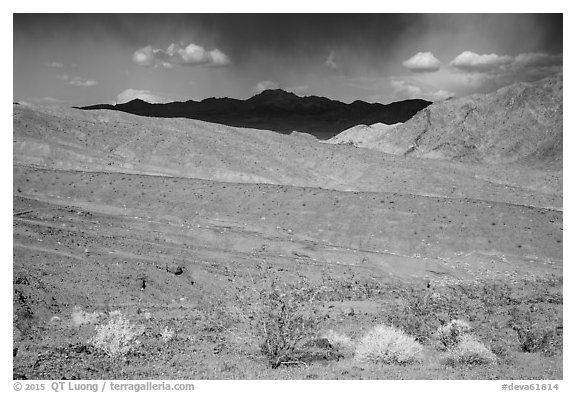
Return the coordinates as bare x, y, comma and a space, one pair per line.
168, 334
451, 334
81, 317
117, 337
385, 344
469, 351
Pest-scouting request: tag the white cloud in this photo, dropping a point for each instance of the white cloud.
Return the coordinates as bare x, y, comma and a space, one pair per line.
178, 55
145, 95
144, 56
422, 62
77, 81
331, 61
54, 64
265, 85
472, 62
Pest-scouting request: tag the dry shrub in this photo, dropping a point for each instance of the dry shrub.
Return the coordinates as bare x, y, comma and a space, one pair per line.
287, 320
282, 318
451, 334
388, 345
469, 351
116, 338
167, 334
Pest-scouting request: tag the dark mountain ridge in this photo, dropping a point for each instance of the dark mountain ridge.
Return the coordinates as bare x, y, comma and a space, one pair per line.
279, 111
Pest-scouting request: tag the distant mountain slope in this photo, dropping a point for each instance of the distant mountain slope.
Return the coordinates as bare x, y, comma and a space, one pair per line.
111, 141
279, 111
519, 123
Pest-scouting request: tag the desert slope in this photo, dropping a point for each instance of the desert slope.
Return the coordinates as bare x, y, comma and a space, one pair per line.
110, 141
520, 123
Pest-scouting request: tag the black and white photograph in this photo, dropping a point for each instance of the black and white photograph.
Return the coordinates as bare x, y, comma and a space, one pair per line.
287, 196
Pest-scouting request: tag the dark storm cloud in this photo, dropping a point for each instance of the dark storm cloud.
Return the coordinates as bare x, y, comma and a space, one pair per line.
126, 28
240, 34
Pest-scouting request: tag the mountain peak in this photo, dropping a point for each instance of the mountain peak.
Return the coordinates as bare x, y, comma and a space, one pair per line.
273, 95
137, 101
276, 92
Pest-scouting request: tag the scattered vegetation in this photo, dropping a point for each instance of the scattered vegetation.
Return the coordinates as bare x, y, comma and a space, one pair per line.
498, 310
283, 318
288, 314
348, 287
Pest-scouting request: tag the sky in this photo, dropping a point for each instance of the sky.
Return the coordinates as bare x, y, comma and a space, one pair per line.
83, 59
